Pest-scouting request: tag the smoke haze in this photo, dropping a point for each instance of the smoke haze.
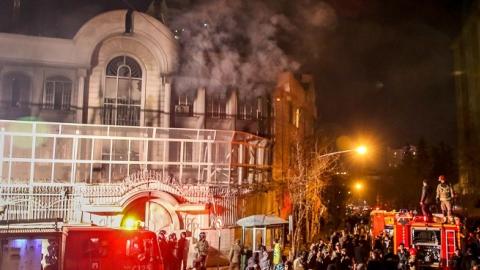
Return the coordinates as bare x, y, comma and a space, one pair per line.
236, 44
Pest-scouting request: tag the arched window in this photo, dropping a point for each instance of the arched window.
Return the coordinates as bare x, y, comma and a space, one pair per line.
18, 89
58, 93
123, 92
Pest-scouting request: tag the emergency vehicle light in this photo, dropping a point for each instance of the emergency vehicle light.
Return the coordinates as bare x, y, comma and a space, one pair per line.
131, 223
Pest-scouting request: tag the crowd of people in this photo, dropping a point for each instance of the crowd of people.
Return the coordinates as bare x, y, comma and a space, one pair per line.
356, 250
469, 256
175, 252
348, 251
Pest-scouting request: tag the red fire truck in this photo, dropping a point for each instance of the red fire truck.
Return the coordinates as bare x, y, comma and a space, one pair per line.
80, 248
434, 241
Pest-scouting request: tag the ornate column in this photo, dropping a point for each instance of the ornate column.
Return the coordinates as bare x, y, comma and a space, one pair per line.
167, 88
81, 73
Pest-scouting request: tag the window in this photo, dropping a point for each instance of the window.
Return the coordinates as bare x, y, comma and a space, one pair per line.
184, 106
290, 112
18, 87
57, 95
297, 118
123, 92
216, 107
246, 109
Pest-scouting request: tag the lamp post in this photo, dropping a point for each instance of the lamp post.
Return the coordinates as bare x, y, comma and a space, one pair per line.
361, 150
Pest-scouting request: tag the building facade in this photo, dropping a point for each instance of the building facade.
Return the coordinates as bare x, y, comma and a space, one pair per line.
91, 132
395, 156
466, 50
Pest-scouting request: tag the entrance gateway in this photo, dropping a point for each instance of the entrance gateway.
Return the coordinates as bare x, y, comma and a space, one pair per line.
156, 210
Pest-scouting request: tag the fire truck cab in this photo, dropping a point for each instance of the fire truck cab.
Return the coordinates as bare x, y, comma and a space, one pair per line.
434, 241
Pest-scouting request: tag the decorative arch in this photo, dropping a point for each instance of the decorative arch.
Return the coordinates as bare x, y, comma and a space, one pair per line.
167, 201
125, 46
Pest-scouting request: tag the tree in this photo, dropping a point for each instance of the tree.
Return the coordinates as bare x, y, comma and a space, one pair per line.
427, 163
305, 181
334, 195
422, 160
405, 176
443, 162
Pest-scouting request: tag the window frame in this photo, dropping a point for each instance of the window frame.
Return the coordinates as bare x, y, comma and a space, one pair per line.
113, 105
23, 99
64, 103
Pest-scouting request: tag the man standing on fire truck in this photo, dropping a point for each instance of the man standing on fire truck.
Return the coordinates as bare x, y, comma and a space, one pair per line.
445, 196
426, 200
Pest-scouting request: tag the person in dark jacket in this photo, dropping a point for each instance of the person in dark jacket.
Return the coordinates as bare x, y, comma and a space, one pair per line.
375, 263
426, 200
312, 256
345, 261
403, 256
163, 245
390, 261
172, 249
183, 245
360, 254
468, 260
456, 261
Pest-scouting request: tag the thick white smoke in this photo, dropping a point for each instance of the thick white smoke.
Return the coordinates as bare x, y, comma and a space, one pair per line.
234, 44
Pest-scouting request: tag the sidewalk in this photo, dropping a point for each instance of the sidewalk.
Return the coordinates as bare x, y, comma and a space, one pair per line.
216, 259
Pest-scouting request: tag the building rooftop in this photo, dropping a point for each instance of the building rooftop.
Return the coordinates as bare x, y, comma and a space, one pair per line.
57, 18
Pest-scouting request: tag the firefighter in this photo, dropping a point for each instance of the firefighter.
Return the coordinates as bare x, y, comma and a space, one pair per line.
202, 251
445, 196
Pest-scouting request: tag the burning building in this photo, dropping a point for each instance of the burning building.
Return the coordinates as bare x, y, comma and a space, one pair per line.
92, 132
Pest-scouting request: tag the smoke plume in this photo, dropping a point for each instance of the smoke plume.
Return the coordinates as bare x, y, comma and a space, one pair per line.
234, 44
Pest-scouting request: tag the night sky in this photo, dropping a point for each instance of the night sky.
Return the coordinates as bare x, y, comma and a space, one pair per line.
383, 68
386, 70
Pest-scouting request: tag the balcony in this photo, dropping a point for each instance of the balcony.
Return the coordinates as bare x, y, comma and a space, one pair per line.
57, 170
66, 154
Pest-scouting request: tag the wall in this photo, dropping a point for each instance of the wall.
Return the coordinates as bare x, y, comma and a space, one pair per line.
467, 86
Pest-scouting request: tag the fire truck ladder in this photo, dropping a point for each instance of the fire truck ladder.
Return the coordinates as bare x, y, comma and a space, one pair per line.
450, 244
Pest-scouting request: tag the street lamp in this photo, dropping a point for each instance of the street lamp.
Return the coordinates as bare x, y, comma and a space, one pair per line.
361, 150
358, 186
